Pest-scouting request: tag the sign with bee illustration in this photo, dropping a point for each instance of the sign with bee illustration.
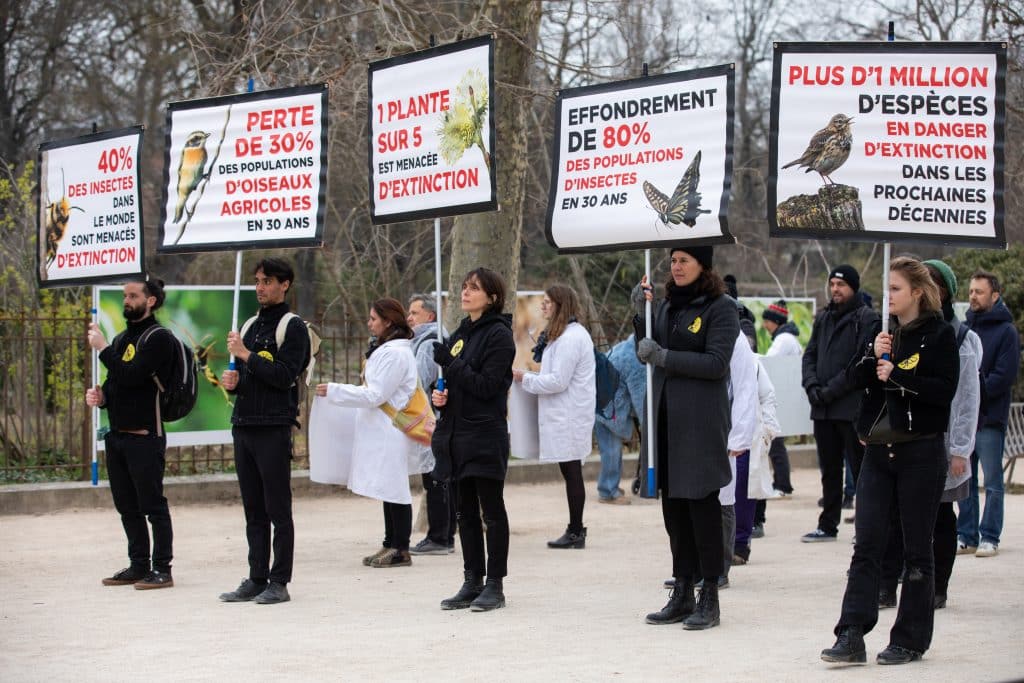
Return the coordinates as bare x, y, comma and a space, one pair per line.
888, 142
431, 144
201, 317
644, 162
245, 171
90, 209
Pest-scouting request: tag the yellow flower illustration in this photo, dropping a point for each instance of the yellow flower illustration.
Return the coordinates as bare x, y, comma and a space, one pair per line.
462, 125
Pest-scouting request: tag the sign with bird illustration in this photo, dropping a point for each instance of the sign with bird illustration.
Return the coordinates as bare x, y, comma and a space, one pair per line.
644, 162
90, 209
431, 147
245, 171
888, 141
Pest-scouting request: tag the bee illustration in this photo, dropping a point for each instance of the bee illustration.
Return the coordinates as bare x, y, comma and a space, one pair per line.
202, 352
58, 214
684, 205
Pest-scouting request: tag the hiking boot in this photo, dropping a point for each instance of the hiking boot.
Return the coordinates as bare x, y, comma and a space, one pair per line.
274, 593
471, 589
570, 539
707, 613
490, 598
894, 654
818, 536
886, 599
392, 558
370, 558
246, 591
428, 547
154, 580
680, 604
126, 576
849, 647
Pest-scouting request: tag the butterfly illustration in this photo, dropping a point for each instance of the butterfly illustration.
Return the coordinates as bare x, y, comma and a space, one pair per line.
684, 205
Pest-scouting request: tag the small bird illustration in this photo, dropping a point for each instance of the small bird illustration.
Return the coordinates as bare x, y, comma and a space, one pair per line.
190, 169
684, 204
828, 149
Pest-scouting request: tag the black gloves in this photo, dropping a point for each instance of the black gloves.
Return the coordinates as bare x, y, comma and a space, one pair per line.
442, 355
815, 396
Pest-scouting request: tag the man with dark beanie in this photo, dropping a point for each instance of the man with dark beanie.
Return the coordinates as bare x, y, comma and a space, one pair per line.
840, 334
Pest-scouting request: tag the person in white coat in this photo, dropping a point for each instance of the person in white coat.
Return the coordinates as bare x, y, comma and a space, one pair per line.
381, 454
567, 400
743, 396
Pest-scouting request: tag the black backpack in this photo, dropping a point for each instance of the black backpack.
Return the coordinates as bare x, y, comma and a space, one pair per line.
179, 396
606, 381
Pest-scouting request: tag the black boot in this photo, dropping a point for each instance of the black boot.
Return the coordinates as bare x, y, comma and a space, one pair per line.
492, 597
894, 654
706, 614
849, 647
680, 604
471, 589
570, 539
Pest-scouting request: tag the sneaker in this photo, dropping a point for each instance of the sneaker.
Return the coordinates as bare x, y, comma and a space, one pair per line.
818, 536
451, 548
723, 582
368, 560
392, 558
246, 591
153, 580
617, 500
894, 654
850, 520
426, 547
126, 577
940, 601
274, 593
964, 549
757, 531
987, 549
847, 502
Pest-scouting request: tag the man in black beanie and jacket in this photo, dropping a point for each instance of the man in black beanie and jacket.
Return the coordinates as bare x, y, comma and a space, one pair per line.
840, 333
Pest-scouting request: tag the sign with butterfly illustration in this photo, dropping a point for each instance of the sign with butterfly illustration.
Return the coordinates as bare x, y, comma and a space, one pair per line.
431, 147
245, 171
643, 162
90, 209
888, 141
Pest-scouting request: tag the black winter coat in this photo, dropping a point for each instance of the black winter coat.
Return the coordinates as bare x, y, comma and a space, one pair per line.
694, 387
471, 436
920, 389
838, 339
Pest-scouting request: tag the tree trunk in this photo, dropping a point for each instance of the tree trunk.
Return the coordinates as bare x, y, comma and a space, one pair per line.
492, 239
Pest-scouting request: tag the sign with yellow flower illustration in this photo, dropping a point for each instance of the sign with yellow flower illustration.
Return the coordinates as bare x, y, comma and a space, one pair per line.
431, 146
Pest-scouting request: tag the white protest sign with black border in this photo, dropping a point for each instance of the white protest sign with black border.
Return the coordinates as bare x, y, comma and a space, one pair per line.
431, 148
245, 171
643, 163
90, 209
888, 141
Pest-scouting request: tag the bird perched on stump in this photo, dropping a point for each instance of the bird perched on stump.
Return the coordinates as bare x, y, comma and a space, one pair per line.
828, 149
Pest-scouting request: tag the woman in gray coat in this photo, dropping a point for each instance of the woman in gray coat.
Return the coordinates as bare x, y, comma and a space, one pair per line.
694, 330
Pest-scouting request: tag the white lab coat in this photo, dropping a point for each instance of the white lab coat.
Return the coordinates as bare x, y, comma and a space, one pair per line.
963, 413
759, 479
566, 396
382, 458
743, 390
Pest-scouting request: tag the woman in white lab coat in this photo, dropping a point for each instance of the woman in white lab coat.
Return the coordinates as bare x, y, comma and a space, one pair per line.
567, 400
381, 454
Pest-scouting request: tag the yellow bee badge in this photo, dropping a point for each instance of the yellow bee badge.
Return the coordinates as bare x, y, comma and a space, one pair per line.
128, 354
457, 348
266, 354
910, 363
695, 325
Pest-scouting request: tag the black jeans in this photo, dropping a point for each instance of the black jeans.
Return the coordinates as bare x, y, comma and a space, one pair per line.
441, 522
834, 439
909, 477
943, 548
694, 529
487, 496
397, 525
779, 456
263, 462
135, 467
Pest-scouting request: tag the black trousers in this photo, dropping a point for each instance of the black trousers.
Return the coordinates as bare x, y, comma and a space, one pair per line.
263, 462
135, 468
834, 439
779, 456
441, 512
575, 493
943, 549
478, 496
908, 477
397, 525
694, 529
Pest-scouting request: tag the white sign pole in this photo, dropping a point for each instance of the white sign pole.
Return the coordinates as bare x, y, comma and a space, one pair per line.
234, 302
437, 293
650, 383
95, 381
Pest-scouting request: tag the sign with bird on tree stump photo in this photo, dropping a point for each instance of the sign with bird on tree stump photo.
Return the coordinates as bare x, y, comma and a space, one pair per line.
888, 141
245, 171
644, 162
90, 209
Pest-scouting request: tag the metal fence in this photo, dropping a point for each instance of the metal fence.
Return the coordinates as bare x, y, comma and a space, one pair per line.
45, 426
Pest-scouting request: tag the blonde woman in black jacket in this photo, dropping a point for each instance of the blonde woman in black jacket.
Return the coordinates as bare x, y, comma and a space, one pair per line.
909, 379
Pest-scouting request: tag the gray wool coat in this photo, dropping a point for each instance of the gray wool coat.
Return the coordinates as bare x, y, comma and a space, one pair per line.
694, 388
